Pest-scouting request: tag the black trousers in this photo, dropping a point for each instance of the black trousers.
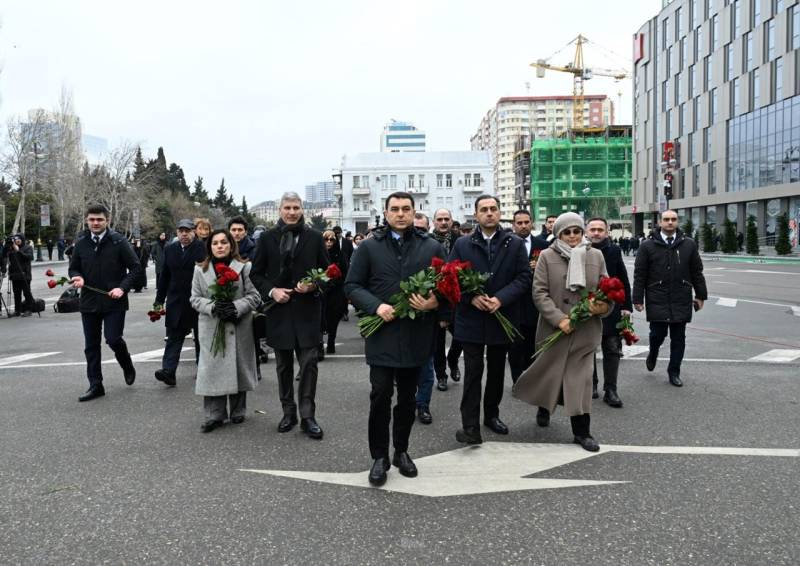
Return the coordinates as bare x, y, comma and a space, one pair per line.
111, 325
612, 352
677, 342
306, 389
520, 354
172, 350
473, 375
383, 380
21, 288
440, 360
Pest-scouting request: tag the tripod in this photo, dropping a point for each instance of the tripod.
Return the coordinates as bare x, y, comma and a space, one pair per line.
3, 304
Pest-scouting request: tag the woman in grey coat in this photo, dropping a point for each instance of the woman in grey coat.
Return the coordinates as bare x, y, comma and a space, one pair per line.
226, 378
562, 375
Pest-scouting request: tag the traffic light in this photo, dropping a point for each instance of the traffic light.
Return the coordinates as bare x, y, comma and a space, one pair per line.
668, 186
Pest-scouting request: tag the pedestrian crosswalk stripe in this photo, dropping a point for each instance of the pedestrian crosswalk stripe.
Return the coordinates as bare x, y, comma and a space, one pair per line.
796, 311
630, 351
777, 356
24, 358
725, 302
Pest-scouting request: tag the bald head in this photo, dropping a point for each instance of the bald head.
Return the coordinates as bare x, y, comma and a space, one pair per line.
442, 221
669, 222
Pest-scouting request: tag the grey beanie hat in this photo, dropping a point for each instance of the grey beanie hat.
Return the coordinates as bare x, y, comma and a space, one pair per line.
567, 220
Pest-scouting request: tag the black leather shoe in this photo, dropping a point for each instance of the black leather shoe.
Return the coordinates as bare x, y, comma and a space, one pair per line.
424, 414
311, 428
331, 349
587, 443
543, 417
208, 426
166, 377
130, 375
612, 399
496, 425
237, 419
402, 461
377, 475
441, 384
650, 362
93, 392
455, 373
595, 394
287, 423
675, 380
320, 352
469, 435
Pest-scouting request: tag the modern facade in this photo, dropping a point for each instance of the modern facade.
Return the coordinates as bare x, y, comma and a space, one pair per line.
717, 106
437, 179
320, 192
95, 148
402, 136
536, 117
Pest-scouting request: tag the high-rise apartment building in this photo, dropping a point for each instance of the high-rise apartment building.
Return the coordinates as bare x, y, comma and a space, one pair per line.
717, 107
534, 116
320, 192
402, 136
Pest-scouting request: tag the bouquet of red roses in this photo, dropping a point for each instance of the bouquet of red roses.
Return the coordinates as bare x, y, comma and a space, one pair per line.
157, 312
222, 290
625, 327
609, 290
52, 283
318, 275
472, 281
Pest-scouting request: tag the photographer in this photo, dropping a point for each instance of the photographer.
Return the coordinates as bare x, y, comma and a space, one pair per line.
16, 260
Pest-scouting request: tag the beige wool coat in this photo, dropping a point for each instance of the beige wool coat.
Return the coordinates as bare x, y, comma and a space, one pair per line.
568, 365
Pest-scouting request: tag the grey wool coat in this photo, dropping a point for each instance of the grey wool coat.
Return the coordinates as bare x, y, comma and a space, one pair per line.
236, 370
567, 366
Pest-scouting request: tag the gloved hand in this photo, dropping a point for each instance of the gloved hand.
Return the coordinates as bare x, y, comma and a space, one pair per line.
218, 309
230, 313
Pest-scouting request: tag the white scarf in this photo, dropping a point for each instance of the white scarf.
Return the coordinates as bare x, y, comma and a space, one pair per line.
576, 262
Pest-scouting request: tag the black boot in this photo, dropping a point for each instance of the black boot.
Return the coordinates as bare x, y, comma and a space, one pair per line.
580, 428
612, 399
321, 352
331, 344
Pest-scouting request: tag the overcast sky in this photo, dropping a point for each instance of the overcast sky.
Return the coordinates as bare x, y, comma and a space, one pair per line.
271, 94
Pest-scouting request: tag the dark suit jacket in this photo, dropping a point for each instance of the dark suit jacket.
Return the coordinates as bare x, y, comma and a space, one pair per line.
175, 283
529, 315
298, 322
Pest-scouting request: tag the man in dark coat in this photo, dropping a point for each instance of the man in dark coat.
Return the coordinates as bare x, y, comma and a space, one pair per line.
344, 244
397, 350
157, 253
237, 226
284, 256
547, 229
175, 286
503, 256
444, 234
611, 343
520, 354
103, 259
667, 268
61, 245
17, 258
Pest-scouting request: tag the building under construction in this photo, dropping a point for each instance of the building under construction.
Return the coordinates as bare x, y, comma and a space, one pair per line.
587, 171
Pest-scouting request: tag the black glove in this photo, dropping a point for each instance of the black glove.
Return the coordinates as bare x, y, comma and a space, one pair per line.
229, 313
219, 308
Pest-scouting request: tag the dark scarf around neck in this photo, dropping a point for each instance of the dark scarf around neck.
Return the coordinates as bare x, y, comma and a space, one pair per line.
287, 246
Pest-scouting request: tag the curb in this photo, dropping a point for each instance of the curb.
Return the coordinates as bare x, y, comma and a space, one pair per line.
733, 258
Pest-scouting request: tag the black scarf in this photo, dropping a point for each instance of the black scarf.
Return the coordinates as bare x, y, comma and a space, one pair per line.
287, 247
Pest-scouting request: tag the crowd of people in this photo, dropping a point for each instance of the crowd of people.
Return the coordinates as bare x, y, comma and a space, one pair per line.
232, 290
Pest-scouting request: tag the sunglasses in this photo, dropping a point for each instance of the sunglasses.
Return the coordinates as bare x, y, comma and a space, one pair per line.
572, 232
330, 239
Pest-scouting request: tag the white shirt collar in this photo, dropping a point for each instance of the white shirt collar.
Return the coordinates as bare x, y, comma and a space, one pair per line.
487, 238
665, 236
100, 235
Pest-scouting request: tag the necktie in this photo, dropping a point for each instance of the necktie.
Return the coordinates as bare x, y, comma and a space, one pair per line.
669, 241
96, 241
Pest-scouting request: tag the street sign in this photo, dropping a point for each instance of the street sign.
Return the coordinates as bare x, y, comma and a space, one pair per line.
44, 215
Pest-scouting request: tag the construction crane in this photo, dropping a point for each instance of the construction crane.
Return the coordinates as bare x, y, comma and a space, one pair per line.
580, 75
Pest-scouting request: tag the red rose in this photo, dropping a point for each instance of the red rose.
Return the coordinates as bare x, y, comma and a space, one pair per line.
333, 272
49, 273
616, 296
437, 263
222, 281
51, 284
231, 275
220, 267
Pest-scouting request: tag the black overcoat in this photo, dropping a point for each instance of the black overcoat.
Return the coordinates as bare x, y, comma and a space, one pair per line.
297, 322
175, 283
377, 268
663, 278
615, 266
113, 264
510, 279
19, 263
528, 314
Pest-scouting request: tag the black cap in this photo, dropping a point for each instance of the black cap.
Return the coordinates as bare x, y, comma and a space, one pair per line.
186, 223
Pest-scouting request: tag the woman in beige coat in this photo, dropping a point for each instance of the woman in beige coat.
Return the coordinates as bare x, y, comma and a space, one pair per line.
562, 375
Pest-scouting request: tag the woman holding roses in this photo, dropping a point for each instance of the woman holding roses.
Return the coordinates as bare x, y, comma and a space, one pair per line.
562, 374
224, 377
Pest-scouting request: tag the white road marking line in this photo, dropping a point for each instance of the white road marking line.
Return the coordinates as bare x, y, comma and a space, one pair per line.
152, 355
765, 271
796, 311
65, 364
725, 302
630, 351
758, 302
25, 358
777, 356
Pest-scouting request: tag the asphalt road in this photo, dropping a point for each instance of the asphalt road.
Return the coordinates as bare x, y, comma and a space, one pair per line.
129, 478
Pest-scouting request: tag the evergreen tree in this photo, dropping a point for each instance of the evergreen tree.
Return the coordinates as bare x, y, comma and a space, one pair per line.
752, 236
782, 245
245, 212
688, 228
200, 194
318, 222
138, 164
729, 243
707, 235
176, 181
221, 198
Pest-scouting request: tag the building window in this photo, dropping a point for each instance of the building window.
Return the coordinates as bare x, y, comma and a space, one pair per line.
682, 54
422, 181
706, 144
769, 41
756, 13
678, 24
735, 97
696, 112
714, 32
777, 81
678, 88
692, 77
690, 145
439, 179
393, 181
664, 95
681, 188
356, 182
476, 180
698, 40
747, 59
794, 28
712, 111
668, 127
411, 180
728, 62
681, 119
736, 21
693, 13
755, 90
384, 181
709, 71
365, 181
712, 178
696, 181
777, 6
448, 180
669, 61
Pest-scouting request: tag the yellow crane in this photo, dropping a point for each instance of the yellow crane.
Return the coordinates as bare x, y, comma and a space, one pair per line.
580, 75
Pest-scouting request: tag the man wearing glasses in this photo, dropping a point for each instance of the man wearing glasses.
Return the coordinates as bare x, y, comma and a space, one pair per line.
667, 268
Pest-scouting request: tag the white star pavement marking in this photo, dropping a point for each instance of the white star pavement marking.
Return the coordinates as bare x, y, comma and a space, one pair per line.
502, 466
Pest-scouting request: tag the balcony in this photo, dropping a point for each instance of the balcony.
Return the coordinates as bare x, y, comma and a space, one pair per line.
418, 191
360, 213
473, 189
361, 191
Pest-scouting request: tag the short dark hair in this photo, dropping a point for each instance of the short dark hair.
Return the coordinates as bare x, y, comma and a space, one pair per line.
549, 216
600, 218
402, 195
484, 197
521, 211
96, 209
337, 228
237, 220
